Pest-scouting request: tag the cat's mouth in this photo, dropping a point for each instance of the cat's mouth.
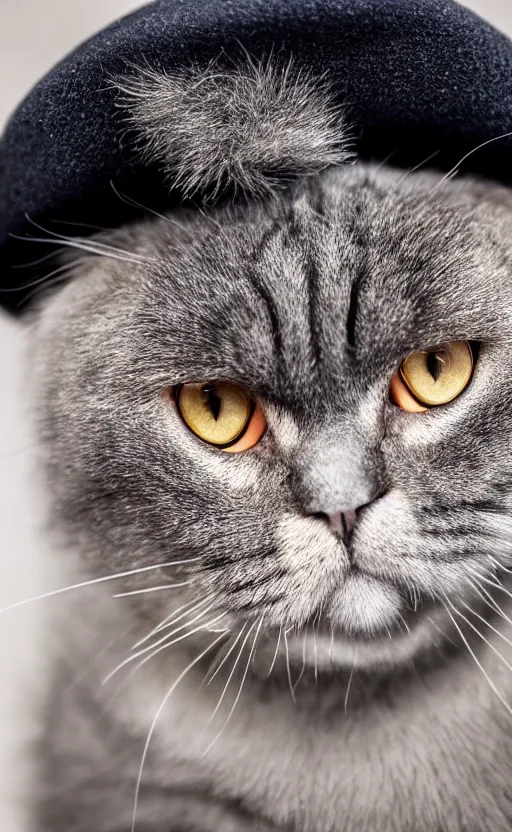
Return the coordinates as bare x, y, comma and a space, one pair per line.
369, 623
367, 608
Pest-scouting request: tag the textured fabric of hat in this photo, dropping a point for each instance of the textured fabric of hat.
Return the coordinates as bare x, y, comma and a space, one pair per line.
416, 77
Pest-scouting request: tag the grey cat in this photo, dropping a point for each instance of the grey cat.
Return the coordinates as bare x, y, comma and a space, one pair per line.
312, 554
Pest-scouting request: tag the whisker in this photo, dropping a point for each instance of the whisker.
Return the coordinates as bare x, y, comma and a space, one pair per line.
488, 599
221, 698
301, 674
331, 643
64, 238
253, 647
156, 643
94, 581
149, 589
400, 616
442, 632
349, 685
275, 652
288, 663
455, 168
63, 268
486, 675
160, 626
29, 264
80, 246
171, 619
205, 627
47, 283
477, 631
316, 655
487, 623
155, 720
499, 567
74, 224
128, 200
497, 583
226, 657
418, 166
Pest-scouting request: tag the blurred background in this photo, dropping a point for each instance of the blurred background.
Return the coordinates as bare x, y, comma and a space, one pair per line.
34, 34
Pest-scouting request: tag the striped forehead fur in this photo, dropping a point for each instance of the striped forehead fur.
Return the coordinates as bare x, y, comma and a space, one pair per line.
244, 128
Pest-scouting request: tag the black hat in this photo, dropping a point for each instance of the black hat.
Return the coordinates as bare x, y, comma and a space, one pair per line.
415, 78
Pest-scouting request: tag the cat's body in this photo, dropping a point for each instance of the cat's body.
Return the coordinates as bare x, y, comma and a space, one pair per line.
357, 683
425, 749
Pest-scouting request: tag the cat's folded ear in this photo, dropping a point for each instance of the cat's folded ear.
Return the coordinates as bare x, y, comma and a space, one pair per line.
248, 127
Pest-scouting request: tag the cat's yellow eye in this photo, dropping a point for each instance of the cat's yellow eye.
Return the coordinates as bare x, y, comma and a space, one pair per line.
428, 378
221, 414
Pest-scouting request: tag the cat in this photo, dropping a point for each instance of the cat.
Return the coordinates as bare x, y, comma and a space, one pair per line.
277, 430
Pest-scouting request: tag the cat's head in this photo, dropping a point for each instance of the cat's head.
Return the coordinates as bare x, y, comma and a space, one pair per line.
301, 401
216, 389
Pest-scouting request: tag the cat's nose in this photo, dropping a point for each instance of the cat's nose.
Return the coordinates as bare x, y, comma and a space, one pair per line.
336, 475
340, 523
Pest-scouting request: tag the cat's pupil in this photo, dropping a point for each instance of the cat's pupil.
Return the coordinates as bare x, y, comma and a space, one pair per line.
213, 401
434, 365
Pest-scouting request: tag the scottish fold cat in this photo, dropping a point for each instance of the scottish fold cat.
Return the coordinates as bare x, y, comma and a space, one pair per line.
275, 437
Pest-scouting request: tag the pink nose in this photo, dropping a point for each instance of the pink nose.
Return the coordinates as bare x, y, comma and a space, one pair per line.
342, 522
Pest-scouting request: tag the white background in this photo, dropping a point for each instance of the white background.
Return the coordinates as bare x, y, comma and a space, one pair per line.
34, 34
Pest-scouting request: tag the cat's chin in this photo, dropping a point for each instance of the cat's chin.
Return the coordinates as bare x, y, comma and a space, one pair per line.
343, 650
369, 627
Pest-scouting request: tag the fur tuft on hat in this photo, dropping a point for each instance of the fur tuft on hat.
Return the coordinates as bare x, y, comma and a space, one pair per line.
246, 128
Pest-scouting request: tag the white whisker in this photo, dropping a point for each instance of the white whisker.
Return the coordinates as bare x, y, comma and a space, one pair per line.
170, 621
160, 626
487, 624
165, 638
173, 618
253, 647
128, 200
331, 643
480, 635
201, 628
155, 719
94, 581
488, 599
400, 616
46, 277
417, 167
149, 589
349, 685
301, 674
442, 632
485, 674
221, 698
274, 659
316, 654
102, 247
226, 657
288, 663
455, 168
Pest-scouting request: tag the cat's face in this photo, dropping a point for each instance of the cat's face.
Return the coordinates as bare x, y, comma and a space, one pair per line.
310, 304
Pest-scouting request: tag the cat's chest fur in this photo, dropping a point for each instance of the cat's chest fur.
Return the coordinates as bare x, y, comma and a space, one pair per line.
421, 758
428, 752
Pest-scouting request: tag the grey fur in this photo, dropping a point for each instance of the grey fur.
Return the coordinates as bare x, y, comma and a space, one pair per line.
311, 298
245, 127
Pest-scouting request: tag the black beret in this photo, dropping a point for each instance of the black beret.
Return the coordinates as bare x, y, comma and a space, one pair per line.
416, 77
